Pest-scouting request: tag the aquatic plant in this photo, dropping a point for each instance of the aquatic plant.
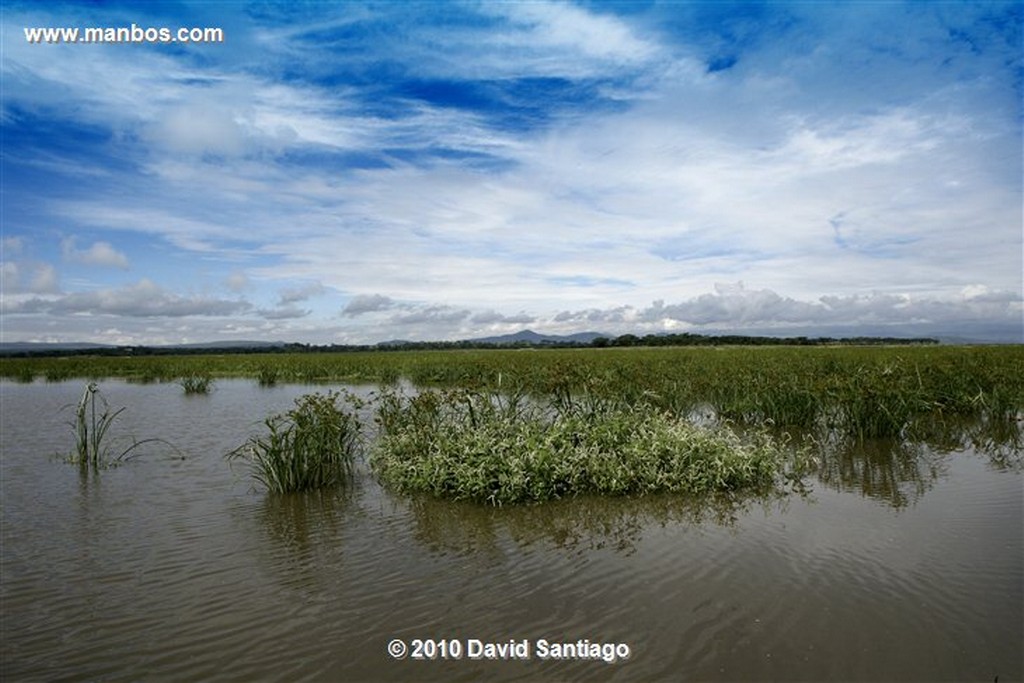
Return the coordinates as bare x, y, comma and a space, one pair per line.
196, 384
267, 376
471, 445
311, 446
856, 392
92, 423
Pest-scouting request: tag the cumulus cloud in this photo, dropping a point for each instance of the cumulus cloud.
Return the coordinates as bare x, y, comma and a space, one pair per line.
619, 314
489, 317
983, 294
283, 313
296, 294
733, 306
536, 157
100, 254
432, 314
44, 279
141, 300
367, 303
31, 278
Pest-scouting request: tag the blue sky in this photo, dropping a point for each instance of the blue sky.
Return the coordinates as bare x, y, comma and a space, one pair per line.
352, 173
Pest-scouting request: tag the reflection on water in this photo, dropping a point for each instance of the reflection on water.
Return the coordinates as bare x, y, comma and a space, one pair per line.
899, 471
304, 529
887, 470
577, 525
905, 562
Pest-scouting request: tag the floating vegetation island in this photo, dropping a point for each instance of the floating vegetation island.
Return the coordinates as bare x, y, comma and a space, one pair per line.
483, 447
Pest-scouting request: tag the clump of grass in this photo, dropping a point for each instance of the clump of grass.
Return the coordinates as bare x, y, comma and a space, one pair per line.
93, 420
312, 446
196, 384
468, 445
267, 376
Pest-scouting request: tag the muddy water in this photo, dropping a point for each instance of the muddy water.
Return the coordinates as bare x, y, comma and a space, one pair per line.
172, 567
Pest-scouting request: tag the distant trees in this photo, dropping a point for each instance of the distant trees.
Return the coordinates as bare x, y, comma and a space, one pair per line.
625, 340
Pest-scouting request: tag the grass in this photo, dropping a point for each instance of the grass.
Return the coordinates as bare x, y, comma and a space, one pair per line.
601, 398
312, 446
480, 446
92, 423
863, 392
267, 376
196, 384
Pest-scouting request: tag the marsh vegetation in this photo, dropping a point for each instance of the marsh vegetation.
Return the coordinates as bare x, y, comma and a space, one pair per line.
481, 446
311, 446
196, 384
918, 529
93, 439
526, 425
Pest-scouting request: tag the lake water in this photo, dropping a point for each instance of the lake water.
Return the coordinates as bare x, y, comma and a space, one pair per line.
172, 566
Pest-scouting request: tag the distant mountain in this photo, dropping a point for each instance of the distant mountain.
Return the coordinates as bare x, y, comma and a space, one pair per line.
395, 342
531, 337
231, 344
62, 348
33, 347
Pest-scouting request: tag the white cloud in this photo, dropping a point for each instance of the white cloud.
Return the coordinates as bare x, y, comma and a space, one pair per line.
549, 29
237, 281
491, 317
10, 277
44, 279
293, 295
433, 314
30, 277
199, 128
284, 312
140, 300
100, 254
12, 246
845, 171
367, 303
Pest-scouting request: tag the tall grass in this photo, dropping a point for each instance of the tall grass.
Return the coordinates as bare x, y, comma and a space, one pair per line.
312, 446
196, 384
267, 376
860, 393
92, 423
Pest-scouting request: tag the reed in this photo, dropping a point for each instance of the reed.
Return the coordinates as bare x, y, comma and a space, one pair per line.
196, 384
312, 446
92, 423
267, 376
856, 392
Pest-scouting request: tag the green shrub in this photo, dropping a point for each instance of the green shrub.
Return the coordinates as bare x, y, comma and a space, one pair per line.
471, 445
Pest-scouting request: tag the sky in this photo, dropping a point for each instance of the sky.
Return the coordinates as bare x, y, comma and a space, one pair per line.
353, 172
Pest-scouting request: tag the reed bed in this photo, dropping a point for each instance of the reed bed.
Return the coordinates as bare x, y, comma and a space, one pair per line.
490, 448
858, 392
312, 446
